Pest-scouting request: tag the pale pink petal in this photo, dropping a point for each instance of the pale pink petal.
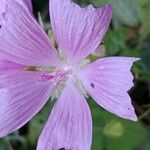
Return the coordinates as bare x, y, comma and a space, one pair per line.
6, 65
26, 3
2, 7
22, 40
78, 31
107, 80
22, 95
69, 125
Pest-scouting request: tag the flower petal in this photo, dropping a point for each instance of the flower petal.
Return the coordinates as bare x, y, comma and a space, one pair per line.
22, 40
2, 7
6, 65
69, 125
22, 95
107, 80
26, 3
78, 31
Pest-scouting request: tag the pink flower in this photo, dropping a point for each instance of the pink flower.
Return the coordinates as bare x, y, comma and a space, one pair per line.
31, 69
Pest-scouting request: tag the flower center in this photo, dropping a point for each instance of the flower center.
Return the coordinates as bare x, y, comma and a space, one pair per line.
54, 75
59, 75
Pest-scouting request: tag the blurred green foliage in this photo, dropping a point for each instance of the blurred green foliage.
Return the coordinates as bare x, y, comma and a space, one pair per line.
129, 35
113, 133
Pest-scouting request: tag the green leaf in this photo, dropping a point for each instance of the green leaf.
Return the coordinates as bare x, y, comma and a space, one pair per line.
145, 144
5, 144
115, 41
145, 28
126, 12
97, 143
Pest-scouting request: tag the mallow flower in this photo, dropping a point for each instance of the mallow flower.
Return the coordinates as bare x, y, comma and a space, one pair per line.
32, 69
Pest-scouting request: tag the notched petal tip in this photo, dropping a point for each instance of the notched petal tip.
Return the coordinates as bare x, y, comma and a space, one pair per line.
130, 113
130, 116
107, 10
109, 7
107, 80
134, 118
136, 59
133, 60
